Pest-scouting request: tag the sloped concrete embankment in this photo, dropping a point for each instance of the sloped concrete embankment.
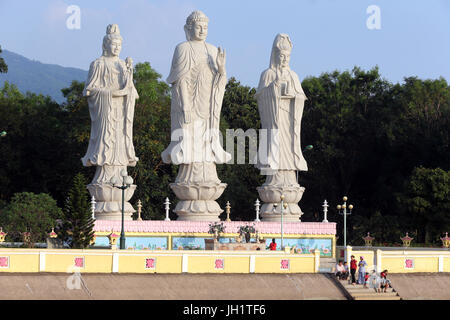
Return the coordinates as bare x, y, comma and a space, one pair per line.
51, 286
422, 286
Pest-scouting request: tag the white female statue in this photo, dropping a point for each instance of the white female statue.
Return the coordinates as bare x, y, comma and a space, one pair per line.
198, 80
111, 97
280, 102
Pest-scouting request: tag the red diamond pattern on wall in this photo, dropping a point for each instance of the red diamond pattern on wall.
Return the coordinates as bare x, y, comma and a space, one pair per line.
284, 264
79, 262
150, 263
219, 264
409, 264
4, 262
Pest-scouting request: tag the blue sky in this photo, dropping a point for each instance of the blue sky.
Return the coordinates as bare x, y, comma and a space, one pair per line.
414, 39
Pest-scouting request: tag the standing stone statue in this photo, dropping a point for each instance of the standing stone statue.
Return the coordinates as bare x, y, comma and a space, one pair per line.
280, 102
198, 80
111, 96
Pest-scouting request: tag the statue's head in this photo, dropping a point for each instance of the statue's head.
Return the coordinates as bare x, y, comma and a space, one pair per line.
281, 51
112, 41
196, 27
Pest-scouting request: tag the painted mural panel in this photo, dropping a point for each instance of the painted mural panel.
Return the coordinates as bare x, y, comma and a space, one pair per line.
137, 243
305, 245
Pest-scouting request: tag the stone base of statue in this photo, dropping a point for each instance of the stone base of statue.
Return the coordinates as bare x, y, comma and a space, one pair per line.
198, 187
108, 198
283, 182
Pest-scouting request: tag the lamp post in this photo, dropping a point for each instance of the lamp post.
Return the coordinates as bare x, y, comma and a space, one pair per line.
127, 181
283, 206
342, 210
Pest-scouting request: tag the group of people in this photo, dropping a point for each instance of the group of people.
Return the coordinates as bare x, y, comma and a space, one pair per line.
375, 281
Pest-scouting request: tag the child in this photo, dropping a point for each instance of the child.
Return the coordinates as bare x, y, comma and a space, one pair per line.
366, 279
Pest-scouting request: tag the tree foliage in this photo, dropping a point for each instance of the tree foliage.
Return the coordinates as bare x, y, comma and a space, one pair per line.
29, 212
368, 136
3, 65
427, 200
77, 228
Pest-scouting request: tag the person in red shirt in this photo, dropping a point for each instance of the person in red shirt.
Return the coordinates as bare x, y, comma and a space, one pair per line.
353, 267
273, 245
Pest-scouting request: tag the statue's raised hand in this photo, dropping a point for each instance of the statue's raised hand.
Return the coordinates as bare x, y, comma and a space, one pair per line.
221, 60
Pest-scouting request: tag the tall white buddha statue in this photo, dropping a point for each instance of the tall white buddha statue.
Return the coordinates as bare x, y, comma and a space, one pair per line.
198, 80
111, 97
280, 103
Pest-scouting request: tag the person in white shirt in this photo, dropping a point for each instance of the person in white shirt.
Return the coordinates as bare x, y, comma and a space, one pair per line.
340, 270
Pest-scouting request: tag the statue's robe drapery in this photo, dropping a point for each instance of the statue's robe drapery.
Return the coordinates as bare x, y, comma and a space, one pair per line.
111, 138
196, 81
282, 119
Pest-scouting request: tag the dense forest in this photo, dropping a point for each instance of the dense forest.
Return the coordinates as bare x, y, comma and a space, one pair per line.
383, 145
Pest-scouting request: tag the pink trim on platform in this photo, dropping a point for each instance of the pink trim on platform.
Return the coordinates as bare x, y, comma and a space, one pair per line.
328, 228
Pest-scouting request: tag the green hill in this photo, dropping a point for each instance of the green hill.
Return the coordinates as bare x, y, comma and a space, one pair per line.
37, 77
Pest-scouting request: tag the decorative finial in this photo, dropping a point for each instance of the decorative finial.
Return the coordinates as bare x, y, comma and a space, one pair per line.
325, 211
257, 208
228, 210
93, 207
139, 205
167, 207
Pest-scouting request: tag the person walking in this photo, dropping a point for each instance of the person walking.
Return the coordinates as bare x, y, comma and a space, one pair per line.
362, 271
353, 267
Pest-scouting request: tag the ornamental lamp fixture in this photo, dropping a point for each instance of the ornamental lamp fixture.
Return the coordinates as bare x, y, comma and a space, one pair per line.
406, 240
2, 235
127, 181
53, 234
342, 210
368, 240
446, 241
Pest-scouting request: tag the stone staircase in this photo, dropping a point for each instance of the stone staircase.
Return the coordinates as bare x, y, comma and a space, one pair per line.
358, 292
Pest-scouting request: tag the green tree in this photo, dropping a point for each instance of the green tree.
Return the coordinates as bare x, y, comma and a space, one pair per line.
239, 111
346, 119
77, 228
151, 137
29, 212
427, 201
3, 65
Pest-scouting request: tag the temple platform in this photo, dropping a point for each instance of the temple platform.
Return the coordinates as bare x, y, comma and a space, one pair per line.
304, 237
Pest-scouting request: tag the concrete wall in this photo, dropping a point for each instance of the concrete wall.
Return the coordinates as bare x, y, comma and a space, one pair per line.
179, 261
402, 260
